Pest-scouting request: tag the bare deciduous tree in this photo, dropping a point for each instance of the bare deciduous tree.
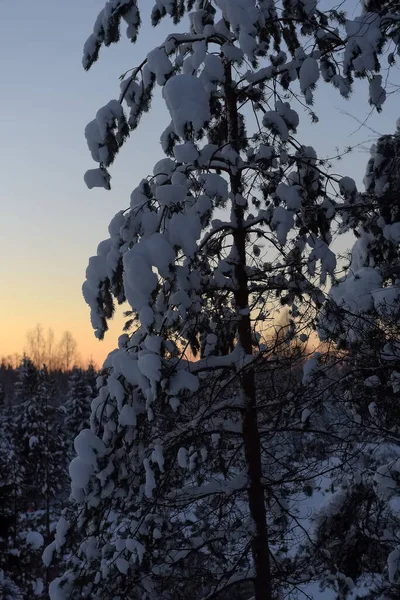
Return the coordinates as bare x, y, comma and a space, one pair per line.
42, 349
67, 351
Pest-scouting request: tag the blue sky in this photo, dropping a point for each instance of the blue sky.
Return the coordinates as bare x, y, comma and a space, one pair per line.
49, 222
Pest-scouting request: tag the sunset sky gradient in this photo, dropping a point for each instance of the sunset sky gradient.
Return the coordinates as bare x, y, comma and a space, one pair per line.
50, 223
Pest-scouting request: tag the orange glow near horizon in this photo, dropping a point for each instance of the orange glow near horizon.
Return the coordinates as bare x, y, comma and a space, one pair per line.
13, 342
16, 322
66, 314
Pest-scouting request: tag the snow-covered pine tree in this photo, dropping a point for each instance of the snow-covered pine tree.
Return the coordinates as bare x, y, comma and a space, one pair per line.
77, 406
27, 383
91, 375
2, 396
10, 490
40, 454
362, 317
169, 481
8, 589
30, 429
23, 560
21, 429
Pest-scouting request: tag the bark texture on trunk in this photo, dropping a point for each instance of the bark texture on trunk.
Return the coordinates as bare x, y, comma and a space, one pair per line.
251, 435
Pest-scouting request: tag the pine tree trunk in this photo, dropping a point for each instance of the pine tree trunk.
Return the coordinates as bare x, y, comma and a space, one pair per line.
47, 498
251, 435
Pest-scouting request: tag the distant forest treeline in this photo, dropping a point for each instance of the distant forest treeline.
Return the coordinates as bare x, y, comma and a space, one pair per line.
41, 413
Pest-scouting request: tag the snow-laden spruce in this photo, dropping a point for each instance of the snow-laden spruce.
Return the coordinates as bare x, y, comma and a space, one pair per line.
77, 405
33, 470
371, 285
171, 480
362, 318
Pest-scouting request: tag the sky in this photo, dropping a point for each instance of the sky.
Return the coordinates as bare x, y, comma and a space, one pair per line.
50, 223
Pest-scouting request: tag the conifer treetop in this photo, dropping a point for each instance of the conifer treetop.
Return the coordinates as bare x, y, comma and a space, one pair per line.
234, 221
